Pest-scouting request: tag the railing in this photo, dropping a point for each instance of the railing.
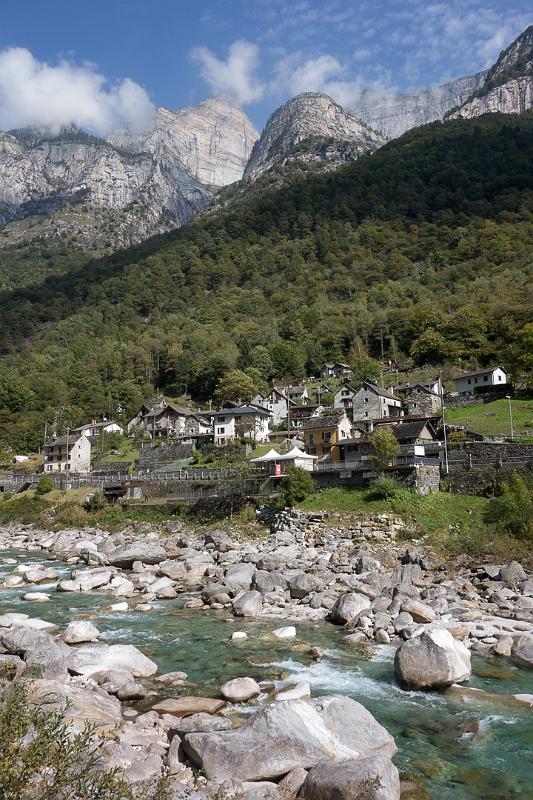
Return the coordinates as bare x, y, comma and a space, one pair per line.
368, 464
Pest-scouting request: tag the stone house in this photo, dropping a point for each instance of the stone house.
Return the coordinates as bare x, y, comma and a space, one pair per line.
343, 398
298, 394
474, 382
413, 438
72, 453
420, 401
321, 434
275, 401
147, 406
198, 429
164, 422
433, 384
336, 370
241, 422
371, 402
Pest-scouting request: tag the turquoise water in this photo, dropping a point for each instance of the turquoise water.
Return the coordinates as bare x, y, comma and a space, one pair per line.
462, 748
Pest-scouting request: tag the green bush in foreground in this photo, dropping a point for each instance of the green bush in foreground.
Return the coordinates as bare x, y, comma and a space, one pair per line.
40, 758
382, 487
512, 511
296, 485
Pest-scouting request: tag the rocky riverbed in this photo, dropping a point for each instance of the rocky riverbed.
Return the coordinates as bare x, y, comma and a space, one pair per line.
310, 589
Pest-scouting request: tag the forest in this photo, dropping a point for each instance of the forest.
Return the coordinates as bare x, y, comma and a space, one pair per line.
423, 249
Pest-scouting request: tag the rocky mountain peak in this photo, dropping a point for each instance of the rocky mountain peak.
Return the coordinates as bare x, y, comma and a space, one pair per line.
308, 116
212, 140
508, 84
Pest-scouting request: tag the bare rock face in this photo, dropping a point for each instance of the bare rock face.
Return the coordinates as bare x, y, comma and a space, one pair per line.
394, 114
213, 140
118, 191
508, 84
307, 117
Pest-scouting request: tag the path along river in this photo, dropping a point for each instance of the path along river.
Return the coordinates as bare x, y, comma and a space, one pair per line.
464, 748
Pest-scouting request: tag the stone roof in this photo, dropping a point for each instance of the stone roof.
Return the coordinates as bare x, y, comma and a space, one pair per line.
330, 421
486, 371
72, 438
240, 410
379, 390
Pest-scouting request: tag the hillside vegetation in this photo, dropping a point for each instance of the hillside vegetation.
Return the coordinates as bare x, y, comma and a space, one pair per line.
427, 243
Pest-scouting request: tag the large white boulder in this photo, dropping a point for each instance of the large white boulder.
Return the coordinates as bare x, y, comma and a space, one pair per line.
239, 690
431, 661
89, 658
372, 778
80, 631
285, 735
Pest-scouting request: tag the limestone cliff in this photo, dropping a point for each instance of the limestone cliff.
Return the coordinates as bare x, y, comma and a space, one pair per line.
392, 114
213, 140
292, 130
508, 85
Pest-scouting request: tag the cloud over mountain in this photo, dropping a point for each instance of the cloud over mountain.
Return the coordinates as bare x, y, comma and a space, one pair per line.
40, 95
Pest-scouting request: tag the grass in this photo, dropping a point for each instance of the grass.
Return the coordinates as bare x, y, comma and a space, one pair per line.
492, 419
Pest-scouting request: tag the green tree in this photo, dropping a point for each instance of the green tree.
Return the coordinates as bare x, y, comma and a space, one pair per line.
235, 386
432, 347
384, 447
296, 485
512, 511
44, 485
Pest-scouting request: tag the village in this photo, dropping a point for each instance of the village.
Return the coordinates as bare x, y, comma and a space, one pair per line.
326, 427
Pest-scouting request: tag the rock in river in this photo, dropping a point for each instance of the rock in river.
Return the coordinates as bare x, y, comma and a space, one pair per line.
146, 552
239, 690
89, 658
348, 607
80, 631
373, 778
285, 735
431, 661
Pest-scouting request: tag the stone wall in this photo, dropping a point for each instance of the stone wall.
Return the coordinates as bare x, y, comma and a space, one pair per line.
484, 480
490, 452
457, 401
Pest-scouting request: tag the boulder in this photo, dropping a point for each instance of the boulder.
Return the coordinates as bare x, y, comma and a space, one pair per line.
372, 778
512, 573
201, 723
303, 584
41, 575
37, 597
266, 582
185, 706
431, 661
419, 611
89, 658
523, 649
80, 631
40, 650
239, 576
239, 690
82, 705
289, 632
283, 736
248, 604
145, 552
348, 607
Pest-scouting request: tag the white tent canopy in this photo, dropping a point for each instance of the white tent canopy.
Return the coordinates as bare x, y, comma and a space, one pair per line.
272, 455
293, 454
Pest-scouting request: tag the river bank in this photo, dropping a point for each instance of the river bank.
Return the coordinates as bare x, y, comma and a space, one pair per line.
193, 594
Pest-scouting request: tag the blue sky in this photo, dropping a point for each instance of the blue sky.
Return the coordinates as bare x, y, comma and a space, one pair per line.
261, 53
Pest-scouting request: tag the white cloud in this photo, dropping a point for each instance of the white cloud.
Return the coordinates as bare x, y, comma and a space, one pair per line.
36, 94
235, 76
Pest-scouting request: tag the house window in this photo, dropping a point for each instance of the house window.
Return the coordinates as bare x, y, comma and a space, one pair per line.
220, 430
366, 399
312, 451
414, 405
499, 377
485, 379
311, 437
366, 413
475, 381
326, 436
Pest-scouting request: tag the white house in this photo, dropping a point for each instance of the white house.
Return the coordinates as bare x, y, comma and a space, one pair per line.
72, 452
241, 422
92, 429
472, 382
275, 401
336, 370
343, 398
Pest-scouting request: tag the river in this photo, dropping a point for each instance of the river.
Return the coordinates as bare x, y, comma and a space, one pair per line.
463, 748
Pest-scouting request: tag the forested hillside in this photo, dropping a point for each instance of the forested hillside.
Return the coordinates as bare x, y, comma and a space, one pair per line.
428, 242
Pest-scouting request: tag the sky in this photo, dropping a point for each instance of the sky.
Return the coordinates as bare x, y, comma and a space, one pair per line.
105, 63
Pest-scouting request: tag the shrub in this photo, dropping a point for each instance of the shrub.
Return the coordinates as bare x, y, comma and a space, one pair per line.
95, 502
44, 485
382, 487
512, 512
296, 485
42, 758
